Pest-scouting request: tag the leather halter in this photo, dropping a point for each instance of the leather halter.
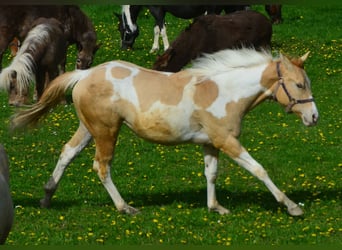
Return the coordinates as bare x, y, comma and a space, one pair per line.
292, 101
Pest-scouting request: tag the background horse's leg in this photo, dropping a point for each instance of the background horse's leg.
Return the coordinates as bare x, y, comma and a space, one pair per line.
164, 37
233, 148
70, 150
105, 143
155, 45
159, 29
210, 161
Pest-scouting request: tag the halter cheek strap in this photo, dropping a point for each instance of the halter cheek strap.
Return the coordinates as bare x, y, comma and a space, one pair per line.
292, 101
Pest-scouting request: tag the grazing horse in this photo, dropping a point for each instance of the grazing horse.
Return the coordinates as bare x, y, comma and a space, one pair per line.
42, 51
204, 104
14, 46
211, 33
6, 204
274, 11
129, 29
16, 20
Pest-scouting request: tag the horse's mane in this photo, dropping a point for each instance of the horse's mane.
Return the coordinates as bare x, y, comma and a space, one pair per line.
24, 63
228, 59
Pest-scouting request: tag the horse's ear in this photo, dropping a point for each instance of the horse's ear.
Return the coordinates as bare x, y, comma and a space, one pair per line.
300, 61
287, 63
305, 56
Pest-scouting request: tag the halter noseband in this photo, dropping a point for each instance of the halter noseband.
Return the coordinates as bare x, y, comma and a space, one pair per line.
292, 100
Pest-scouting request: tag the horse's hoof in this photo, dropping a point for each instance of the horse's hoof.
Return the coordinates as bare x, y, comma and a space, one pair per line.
295, 211
219, 209
154, 50
44, 203
129, 210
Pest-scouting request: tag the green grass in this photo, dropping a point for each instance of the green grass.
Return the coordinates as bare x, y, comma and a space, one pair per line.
167, 183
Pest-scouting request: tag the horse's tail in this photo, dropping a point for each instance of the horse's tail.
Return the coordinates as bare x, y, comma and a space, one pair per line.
52, 96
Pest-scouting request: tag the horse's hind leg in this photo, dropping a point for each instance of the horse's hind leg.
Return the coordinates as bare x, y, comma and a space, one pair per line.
70, 150
210, 161
105, 143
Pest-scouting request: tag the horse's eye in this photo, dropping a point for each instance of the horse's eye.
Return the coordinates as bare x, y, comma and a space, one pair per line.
300, 86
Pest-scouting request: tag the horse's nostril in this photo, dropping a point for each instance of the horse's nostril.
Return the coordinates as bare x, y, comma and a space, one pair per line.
314, 118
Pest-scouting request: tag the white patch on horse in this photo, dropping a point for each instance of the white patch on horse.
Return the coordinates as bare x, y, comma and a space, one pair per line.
236, 85
130, 24
123, 87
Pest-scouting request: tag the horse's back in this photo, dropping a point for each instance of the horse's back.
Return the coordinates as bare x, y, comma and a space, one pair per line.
155, 105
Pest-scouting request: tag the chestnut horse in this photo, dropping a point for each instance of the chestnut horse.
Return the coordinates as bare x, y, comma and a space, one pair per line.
211, 33
16, 20
204, 104
38, 59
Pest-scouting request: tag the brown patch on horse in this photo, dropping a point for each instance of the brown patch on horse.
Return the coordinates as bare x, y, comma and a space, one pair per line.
120, 72
220, 130
166, 89
205, 94
269, 75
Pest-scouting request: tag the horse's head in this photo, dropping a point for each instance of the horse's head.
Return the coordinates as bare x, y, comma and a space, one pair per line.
128, 32
274, 11
162, 61
16, 96
86, 50
293, 89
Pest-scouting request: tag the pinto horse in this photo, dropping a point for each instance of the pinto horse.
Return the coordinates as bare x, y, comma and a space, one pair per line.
211, 33
16, 20
204, 104
129, 29
42, 51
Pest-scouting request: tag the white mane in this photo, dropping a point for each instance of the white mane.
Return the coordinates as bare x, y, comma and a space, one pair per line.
23, 63
229, 59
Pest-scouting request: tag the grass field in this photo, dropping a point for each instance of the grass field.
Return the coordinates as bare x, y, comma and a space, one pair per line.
167, 183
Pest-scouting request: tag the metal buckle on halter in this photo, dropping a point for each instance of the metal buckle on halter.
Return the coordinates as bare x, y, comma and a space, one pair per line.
292, 101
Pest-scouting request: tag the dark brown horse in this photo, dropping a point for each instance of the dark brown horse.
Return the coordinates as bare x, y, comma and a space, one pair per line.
274, 11
212, 33
42, 51
16, 20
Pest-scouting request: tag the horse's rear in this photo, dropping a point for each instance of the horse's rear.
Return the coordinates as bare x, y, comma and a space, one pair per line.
212, 33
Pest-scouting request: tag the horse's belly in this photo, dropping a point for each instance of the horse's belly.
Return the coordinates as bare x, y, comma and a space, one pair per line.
165, 130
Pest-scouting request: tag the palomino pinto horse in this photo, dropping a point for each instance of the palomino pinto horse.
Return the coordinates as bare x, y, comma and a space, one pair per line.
42, 51
211, 33
16, 20
129, 29
204, 104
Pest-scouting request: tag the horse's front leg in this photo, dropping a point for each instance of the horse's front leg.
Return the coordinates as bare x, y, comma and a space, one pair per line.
210, 161
233, 148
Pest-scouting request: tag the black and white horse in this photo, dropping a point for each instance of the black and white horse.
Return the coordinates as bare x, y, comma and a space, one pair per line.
129, 29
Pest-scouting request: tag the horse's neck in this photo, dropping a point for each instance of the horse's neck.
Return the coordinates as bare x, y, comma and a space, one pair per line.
243, 84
